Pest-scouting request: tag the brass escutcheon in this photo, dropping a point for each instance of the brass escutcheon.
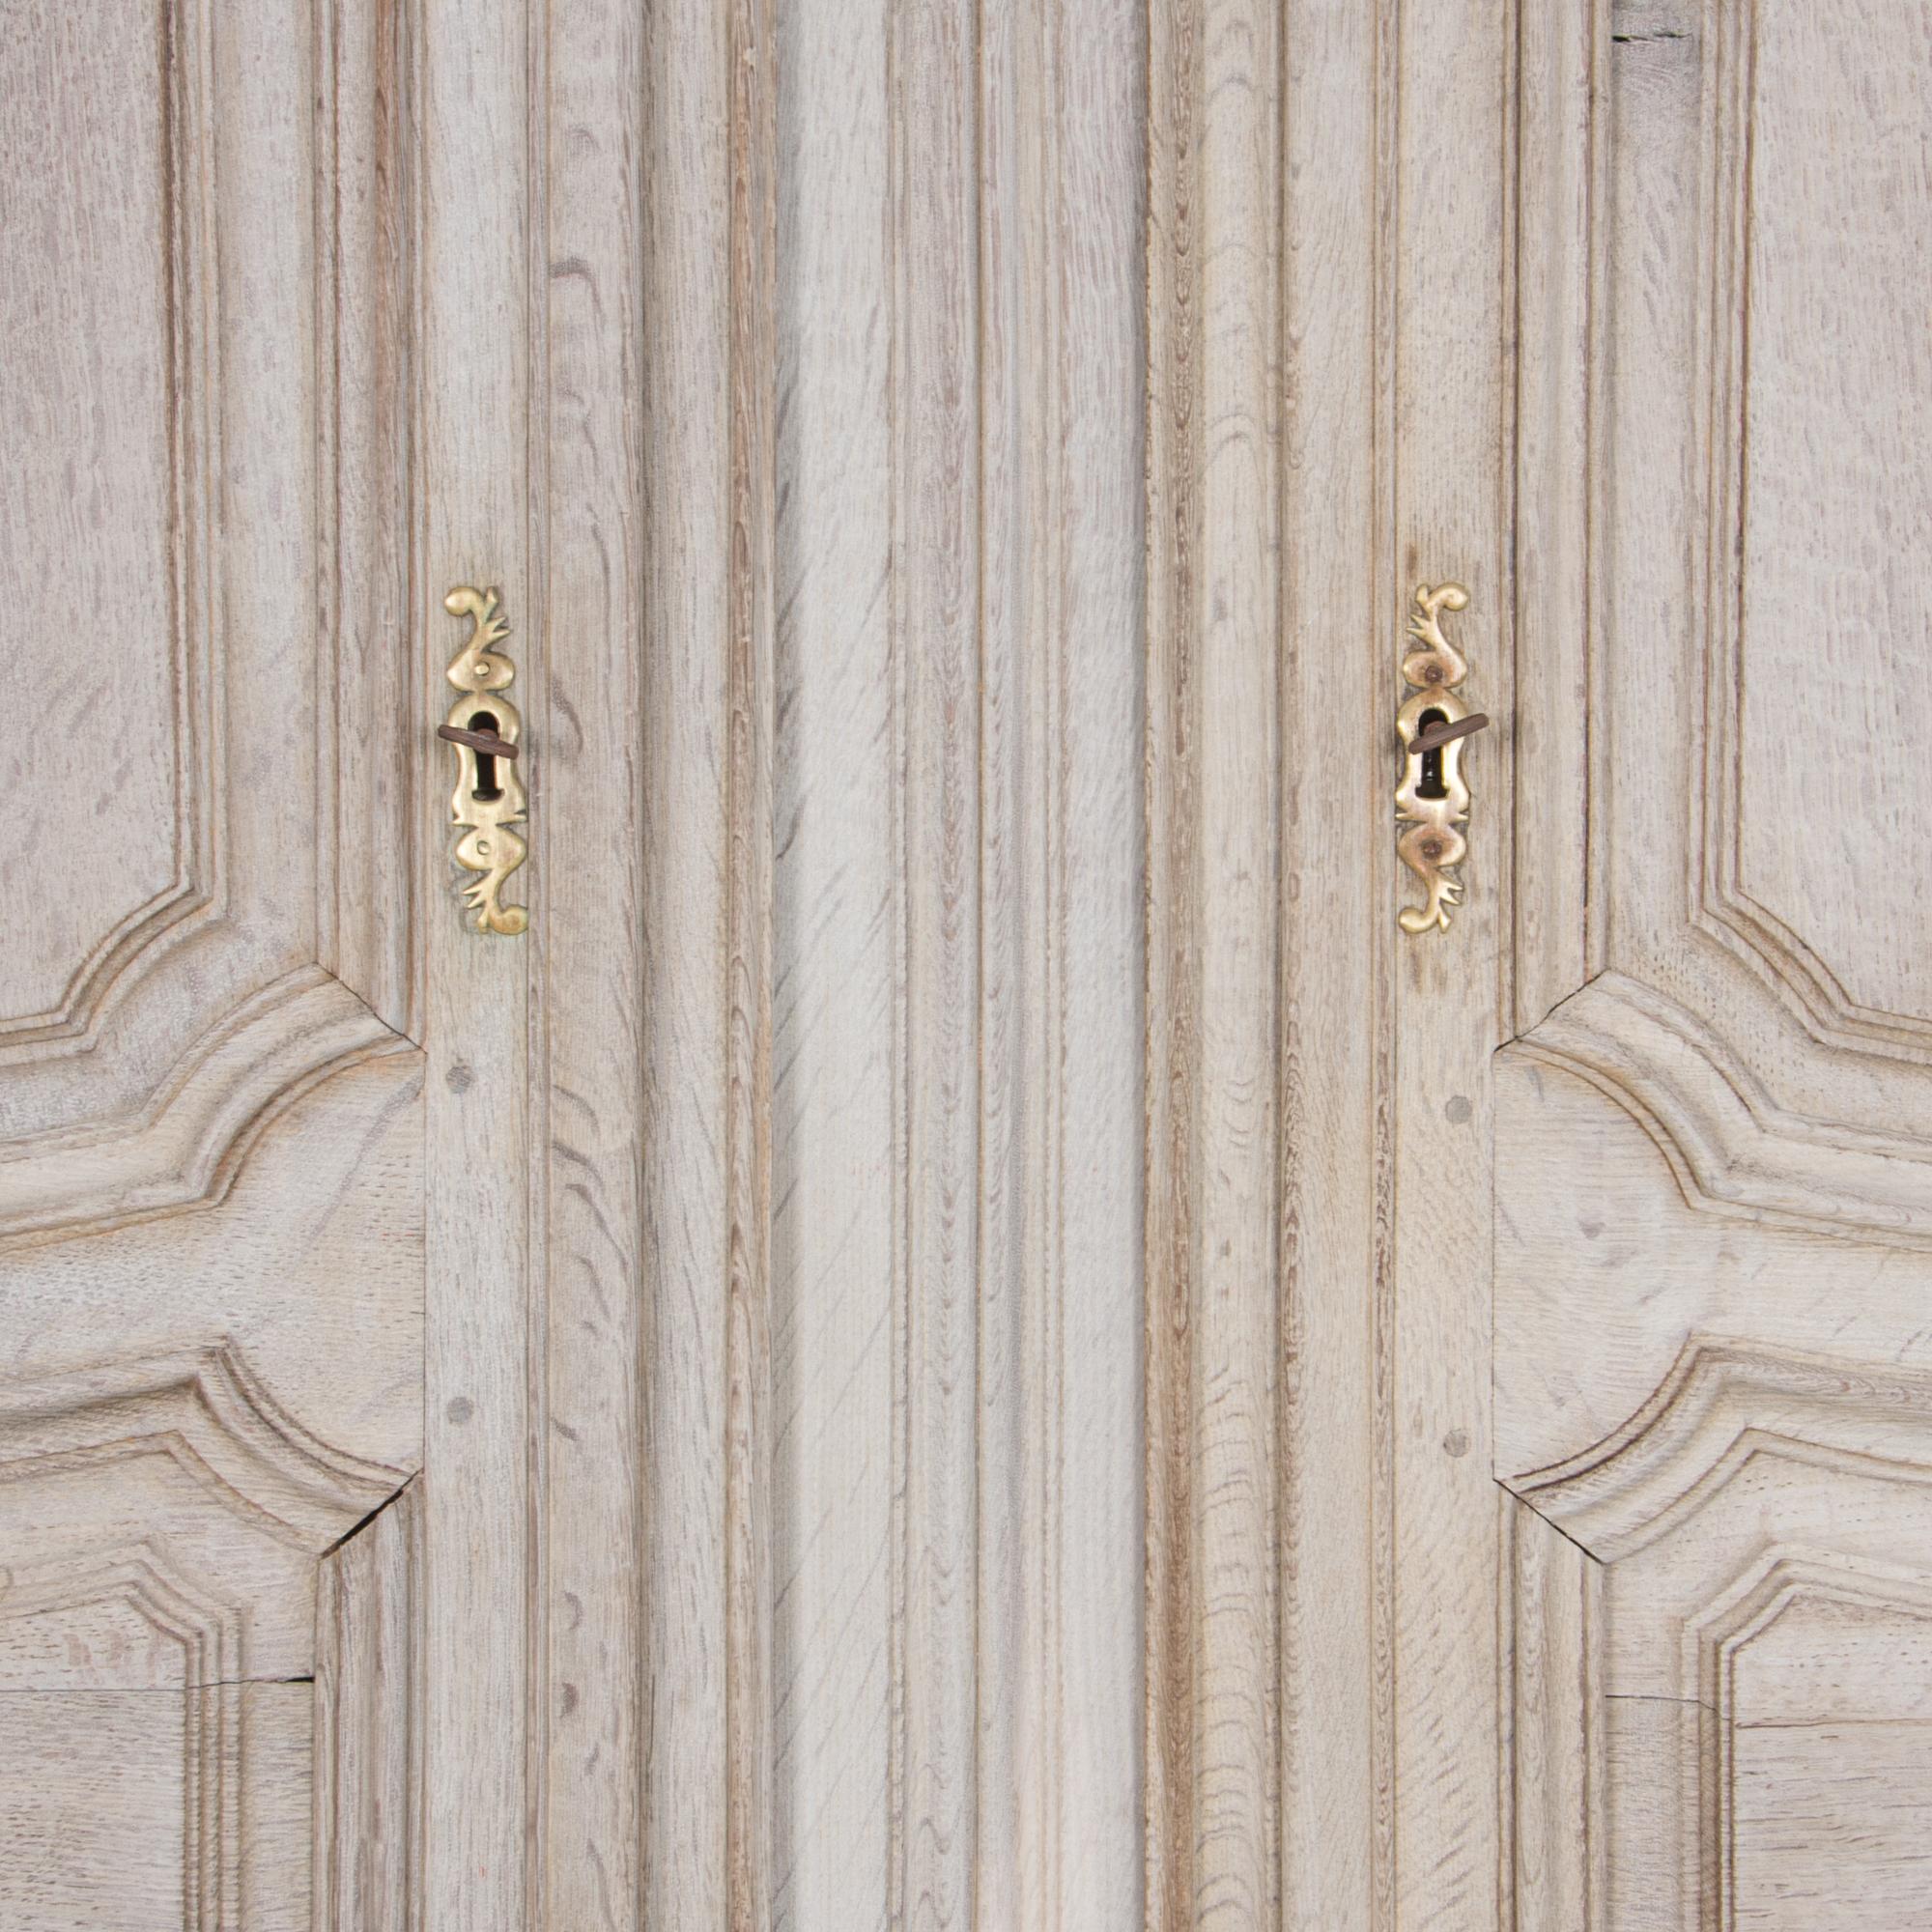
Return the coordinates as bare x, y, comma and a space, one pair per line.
483, 729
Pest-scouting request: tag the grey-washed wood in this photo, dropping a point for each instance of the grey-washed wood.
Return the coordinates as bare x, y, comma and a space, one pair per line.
1326, 420
1063, 849
484, 1192
212, 1178
912, 1624
932, 1345
1710, 1147
92, 1803
369, 1762
595, 938
749, 1436
311, 1267
90, 364
683, 730
933, 292
369, 771
1831, 584
91, 1808
1452, 484
1560, 152
1830, 1826
1555, 1873
185, 550
1338, 944
834, 1038
1215, 612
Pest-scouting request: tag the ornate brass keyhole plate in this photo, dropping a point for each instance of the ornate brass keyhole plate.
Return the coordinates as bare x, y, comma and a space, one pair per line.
1433, 800
485, 729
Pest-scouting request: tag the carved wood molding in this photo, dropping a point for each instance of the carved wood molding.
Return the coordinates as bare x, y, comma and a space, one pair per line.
208, 1601
208, 1633
1732, 1147
181, 611
1778, 1578
1720, 1030
1566, 463
368, 1713
372, 858
203, 1627
355, 625
188, 1027
1556, 1760
1575, 1801
208, 1412
1727, 911
185, 1147
1778, 1581
1722, 1403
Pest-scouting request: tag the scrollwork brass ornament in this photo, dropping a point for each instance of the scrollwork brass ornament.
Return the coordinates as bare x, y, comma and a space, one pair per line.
1433, 800
484, 729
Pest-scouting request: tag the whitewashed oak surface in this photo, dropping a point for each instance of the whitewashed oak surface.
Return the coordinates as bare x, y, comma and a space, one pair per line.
1712, 1245
964, 1333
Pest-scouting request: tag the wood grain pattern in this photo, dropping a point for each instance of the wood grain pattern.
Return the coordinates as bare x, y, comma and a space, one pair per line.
103, 1829
100, 329
212, 1189
1317, 1236
937, 592
204, 306
1815, 508
185, 1147
1720, 1406
1061, 438
587, 1438
1733, 1146
374, 873
470, 94
1213, 831
369, 1777
836, 951
161, 1521
78, 1851
1737, 1592
1338, 948
1711, 1142
1827, 1757
1678, 249
1553, 1797
751, 52
1830, 1824
207, 1414
1594, 1224
931, 1348
1561, 374
957, 677
1451, 488
684, 732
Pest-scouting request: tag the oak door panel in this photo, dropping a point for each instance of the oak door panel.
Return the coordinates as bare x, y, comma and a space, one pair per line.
212, 1171
1713, 1144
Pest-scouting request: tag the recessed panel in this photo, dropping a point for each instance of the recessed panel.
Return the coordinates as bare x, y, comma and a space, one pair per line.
1831, 1767
92, 1810
1836, 607
1832, 1828
88, 495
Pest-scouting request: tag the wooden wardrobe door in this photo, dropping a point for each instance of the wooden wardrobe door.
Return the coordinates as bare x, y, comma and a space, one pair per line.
248, 1615
211, 1178
965, 1330
1714, 1131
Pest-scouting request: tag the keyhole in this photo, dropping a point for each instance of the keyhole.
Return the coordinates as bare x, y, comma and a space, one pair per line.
1429, 785
486, 788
